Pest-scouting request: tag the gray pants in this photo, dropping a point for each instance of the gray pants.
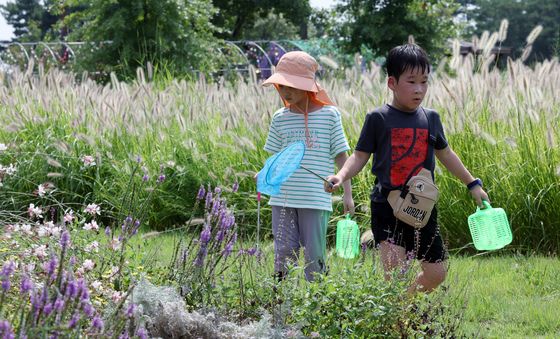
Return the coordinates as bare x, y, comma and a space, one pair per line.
294, 228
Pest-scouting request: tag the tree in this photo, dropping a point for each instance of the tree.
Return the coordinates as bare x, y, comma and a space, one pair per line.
31, 20
523, 16
173, 34
272, 27
379, 25
237, 18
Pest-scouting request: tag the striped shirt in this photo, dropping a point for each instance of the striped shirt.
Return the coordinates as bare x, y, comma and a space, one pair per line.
327, 140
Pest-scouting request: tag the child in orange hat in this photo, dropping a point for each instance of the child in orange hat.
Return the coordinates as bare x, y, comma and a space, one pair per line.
300, 213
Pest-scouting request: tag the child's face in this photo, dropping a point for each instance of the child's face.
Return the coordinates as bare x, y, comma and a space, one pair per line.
293, 96
410, 89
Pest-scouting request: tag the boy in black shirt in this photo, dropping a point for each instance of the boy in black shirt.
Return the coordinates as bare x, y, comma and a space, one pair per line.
398, 136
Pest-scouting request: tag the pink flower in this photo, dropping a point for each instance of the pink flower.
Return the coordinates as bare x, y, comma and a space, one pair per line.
117, 296
88, 265
88, 161
92, 209
41, 190
69, 217
93, 247
40, 251
34, 212
96, 285
91, 226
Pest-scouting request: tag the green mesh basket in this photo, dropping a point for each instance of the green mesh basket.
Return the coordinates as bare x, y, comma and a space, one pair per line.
489, 228
347, 238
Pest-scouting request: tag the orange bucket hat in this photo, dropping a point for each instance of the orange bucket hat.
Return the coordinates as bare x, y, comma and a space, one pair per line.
297, 69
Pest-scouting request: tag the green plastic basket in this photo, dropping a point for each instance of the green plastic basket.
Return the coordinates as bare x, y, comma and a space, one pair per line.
489, 228
347, 238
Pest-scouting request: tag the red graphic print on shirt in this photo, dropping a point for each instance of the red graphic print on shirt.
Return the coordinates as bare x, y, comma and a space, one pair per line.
408, 150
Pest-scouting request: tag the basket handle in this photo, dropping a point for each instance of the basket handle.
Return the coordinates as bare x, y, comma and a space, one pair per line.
486, 206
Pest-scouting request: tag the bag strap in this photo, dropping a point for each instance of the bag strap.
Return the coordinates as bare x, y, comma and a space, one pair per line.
430, 159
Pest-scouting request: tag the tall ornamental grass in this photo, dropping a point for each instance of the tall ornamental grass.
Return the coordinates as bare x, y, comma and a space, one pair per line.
502, 123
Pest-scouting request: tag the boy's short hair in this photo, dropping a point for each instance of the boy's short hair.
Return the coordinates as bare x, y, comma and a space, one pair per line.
408, 56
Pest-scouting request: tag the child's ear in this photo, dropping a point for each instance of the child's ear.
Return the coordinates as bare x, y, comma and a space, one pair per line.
391, 82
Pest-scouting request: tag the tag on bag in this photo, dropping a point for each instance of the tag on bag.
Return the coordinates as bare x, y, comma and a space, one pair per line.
415, 203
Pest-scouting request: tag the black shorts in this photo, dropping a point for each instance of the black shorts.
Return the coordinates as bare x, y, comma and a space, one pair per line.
425, 244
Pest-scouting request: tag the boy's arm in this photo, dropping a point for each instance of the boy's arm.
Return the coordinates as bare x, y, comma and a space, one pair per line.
351, 167
347, 200
451, 161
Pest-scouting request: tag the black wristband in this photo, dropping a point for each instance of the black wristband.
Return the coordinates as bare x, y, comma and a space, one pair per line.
475, 182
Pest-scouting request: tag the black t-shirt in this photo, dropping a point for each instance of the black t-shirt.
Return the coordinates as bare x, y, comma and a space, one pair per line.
399, 143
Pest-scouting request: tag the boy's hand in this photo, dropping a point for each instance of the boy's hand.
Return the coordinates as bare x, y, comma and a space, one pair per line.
335, 180
478, 195
348, 203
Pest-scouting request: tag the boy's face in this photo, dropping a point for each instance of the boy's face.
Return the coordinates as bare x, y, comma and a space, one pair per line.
409, 90
293, 96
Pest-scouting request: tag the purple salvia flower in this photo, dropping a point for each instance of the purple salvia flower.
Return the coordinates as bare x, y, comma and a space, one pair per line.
235, 187
48, 309
130, 310
136, 227
59, 305
97, 323
138, 159
54, 335
124, 335
128, 220
6, 284
202, 252
141, 333
228, 249
51, 266
88, 309
201, 193
8, 269
217, 191
65, 240
145, 177
6, 330
108, 231
73, 260
220, 236
160, 179
208, 199
215, 206
72, 323
205, 235
252, 251
71, 289
26, 285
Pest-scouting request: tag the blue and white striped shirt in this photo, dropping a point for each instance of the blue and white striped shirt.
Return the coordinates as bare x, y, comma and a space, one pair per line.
327, 140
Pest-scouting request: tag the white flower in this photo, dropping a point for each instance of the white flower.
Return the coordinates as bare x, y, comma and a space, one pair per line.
115, 244
41, 190
26, 228
43, 232
40, 251
11, 170
93, 247
88, 160
91, 226
96, 285
68, 217
88, 265
117, 296
92, 209
34, 211
55, 231
3, 147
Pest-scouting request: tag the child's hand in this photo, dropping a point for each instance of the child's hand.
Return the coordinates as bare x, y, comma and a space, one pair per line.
478, 195
348, 204
335, 181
